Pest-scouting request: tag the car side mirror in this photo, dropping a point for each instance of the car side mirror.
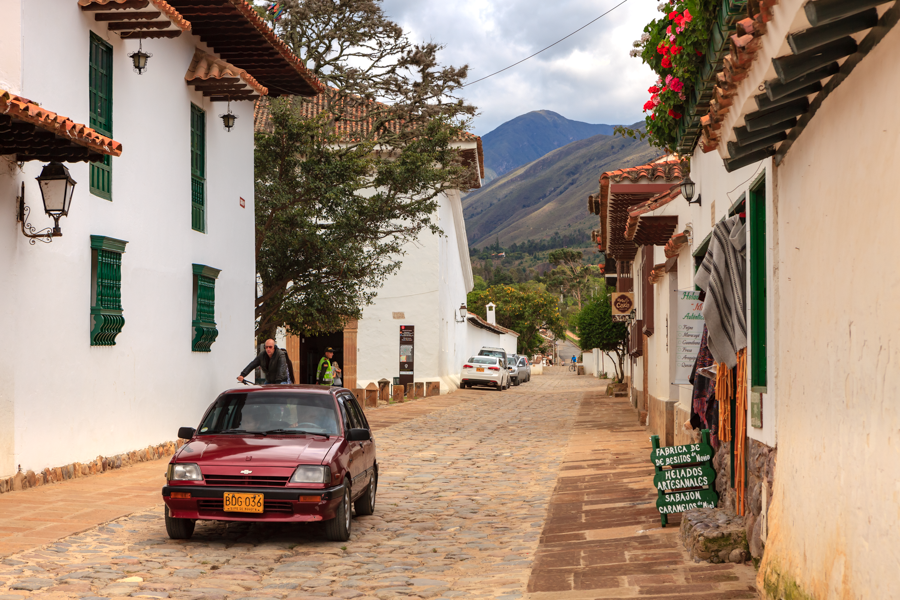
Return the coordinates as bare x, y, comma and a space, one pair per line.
186, 433
359, 435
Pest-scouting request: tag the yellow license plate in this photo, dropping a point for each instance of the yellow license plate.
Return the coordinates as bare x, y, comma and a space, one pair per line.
248, 503
479, 369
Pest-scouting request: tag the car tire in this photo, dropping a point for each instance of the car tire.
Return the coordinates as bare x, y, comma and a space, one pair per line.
179, 529
365, 504
338, 528
516, 381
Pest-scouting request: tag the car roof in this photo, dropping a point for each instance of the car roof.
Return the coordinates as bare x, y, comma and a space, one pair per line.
316, 389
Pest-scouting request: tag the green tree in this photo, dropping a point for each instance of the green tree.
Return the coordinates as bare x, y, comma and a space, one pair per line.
525, 312
571, 277
596, 329
333, 212
325, 239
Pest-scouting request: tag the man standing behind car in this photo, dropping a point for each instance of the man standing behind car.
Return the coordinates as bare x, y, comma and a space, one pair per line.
273, 363
324, 372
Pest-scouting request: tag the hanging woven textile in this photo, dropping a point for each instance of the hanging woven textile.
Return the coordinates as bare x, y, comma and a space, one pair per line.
740, 432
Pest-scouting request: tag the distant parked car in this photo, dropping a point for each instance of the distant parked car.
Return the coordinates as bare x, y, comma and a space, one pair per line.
497, 352
485, 370
524, 369
513, 368
274, 453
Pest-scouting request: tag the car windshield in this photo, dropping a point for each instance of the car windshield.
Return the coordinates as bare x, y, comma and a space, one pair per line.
261, 412
492, 353
483, 360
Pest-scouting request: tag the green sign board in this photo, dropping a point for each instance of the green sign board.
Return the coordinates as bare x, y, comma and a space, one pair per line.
669, 456
684, 476
677, 502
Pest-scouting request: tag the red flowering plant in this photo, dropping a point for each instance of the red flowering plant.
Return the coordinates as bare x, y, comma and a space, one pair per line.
673, 46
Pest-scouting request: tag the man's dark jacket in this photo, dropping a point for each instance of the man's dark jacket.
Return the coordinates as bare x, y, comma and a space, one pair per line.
275, 368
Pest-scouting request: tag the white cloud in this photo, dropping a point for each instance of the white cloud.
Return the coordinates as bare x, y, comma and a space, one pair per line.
588, 77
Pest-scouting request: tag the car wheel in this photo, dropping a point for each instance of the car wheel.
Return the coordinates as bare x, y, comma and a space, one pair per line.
516, 381
365, 505
338, 528
179, 529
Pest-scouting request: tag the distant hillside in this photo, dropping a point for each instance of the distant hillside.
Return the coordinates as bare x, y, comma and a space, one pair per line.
550, 194
529, 137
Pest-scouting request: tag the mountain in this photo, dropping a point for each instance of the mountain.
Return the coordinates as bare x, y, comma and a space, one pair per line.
529, 137
549, 194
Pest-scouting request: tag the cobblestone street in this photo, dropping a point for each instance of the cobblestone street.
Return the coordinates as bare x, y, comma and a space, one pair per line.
466, 484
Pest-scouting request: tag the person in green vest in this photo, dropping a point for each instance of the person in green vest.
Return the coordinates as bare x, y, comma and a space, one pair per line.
324, 372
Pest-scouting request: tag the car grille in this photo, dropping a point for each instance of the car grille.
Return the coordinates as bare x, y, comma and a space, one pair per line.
269, 506
246, 480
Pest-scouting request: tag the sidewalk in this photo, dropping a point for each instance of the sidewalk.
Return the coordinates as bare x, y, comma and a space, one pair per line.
38, 516
603, 537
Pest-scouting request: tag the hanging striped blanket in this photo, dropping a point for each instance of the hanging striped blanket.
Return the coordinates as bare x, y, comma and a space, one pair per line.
722, 275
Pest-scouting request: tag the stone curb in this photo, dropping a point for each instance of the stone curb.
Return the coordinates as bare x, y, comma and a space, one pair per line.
101, 464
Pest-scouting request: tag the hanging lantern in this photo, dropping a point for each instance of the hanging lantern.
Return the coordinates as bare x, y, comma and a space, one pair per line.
228, 118
139, 59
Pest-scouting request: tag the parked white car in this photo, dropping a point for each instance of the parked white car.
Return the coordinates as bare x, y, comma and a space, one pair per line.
485, 370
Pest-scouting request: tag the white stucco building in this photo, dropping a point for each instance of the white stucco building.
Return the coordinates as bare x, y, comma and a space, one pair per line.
132, 321
795, 138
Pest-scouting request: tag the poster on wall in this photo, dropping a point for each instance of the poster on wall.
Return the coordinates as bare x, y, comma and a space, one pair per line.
688, 331
622, 305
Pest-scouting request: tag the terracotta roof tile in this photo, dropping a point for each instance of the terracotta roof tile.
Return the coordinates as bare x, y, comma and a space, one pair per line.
205, 67
675, 244
167, 10
354, 124
614, 215
479, 322
635, 212
67, 132
227, 26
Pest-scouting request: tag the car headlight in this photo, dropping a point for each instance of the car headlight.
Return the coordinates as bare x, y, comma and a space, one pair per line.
184, 472
311, 474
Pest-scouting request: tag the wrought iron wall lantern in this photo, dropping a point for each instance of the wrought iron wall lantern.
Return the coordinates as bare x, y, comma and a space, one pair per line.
687, 190
463, 313
228, 118
140, 58
57, 188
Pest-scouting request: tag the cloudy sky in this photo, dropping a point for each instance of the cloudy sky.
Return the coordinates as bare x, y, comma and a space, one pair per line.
588, 77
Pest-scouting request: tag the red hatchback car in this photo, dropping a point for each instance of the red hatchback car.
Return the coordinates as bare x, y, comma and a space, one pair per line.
274, 453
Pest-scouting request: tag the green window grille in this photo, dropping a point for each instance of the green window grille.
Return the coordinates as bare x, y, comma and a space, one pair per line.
198, 169
106, 290
100, 91
204, 319
758, 322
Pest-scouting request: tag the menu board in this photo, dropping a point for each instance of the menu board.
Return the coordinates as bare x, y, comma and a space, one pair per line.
688, 331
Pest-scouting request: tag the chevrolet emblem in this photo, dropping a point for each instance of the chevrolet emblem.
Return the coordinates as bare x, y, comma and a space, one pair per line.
246, 472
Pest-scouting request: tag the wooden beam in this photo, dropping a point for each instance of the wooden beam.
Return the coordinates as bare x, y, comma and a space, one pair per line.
133, 26
151, 34
128, 4
128, 16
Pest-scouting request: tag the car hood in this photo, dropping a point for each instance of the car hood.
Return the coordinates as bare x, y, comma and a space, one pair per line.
270, 450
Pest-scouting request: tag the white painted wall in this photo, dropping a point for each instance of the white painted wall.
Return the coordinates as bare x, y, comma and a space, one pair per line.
833, 520
428, 289
73, 401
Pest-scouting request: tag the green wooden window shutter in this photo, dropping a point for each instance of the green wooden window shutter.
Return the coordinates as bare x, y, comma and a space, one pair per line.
106, 290
204, 321
100, 91
198, 169
758, 329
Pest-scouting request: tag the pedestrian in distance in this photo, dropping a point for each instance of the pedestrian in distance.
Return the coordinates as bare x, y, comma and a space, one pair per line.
325, 371
273, 361
336, 372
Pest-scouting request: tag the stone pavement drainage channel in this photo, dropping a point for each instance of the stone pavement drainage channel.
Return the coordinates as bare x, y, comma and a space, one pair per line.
463, 497
602, 537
